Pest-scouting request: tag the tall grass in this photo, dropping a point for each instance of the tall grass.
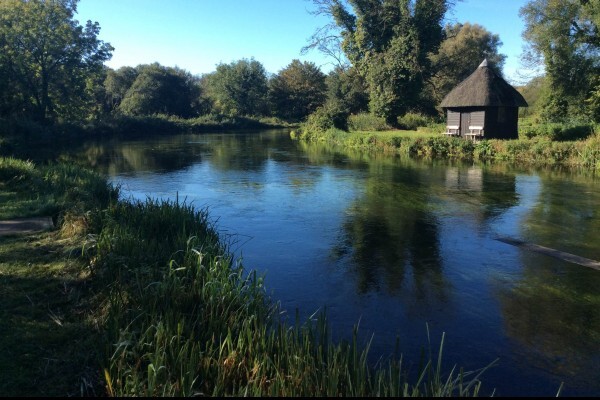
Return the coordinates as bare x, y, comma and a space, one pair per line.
183, 319
54, 190
175, 315
536, 151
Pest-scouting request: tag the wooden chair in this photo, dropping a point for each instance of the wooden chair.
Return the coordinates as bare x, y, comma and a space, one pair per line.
452, 130
475, 132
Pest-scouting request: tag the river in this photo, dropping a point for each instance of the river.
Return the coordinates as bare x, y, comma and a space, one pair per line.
405, 249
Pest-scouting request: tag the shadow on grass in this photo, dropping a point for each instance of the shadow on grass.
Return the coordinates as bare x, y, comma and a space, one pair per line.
48, 348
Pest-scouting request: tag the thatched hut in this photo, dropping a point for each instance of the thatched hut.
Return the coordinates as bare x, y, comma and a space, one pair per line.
483, 105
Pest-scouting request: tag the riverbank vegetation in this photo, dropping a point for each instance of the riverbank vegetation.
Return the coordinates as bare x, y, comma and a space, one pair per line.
392, 74
427, 144
405, 71
144, 298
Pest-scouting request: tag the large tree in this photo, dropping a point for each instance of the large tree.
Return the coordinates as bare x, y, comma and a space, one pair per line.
47, 59
161, 90
389, 42
238, 88
347, 91
563, 36
117, 83
463, 49
297, 90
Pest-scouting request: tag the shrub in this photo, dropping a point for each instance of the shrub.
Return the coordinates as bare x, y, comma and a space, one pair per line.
367, 122
558, 131
484, 150
411, 121
325, 118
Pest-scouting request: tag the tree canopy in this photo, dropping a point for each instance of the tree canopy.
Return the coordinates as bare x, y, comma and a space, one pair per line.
389, 42
563, 35
297, 90
47, 58
238, 88
464, 48
158, 90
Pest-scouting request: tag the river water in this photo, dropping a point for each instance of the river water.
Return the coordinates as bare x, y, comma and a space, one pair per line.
406, 250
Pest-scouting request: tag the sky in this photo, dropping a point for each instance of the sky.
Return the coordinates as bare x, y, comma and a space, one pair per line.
197, 35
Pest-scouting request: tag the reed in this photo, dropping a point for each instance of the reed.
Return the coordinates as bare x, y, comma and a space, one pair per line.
167, 311
184, 319
541, 151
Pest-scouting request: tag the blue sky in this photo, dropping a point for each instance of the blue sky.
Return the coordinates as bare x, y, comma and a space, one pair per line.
199, 34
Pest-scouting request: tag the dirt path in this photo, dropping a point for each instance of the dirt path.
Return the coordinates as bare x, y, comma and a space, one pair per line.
25, 225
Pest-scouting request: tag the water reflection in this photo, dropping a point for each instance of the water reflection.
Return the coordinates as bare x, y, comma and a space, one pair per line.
155, 155
553, 310
392, 238
398, 243
493, 192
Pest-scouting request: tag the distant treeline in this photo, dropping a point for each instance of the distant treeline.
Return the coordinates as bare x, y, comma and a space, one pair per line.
52, 68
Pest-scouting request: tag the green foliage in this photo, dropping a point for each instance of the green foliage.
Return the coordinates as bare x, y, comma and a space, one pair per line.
563, 35
388, 42
465, 46
117, 83
534, 92
412, 121
160, 90
557, 131
326, 118
48, 61
538, 151
239, 88
297, 91
183, 320
56, 190
347, 90
367, 122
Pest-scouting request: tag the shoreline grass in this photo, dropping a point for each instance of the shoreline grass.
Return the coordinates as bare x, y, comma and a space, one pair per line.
537, 151
143, 298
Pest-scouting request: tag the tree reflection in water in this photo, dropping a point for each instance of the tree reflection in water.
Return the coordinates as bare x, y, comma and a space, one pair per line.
554, 308
391, 237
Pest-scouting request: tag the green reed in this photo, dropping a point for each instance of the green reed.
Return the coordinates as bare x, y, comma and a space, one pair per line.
182, 318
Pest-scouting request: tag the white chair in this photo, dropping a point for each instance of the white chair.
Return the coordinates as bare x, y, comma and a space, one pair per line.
452, 130
475, 131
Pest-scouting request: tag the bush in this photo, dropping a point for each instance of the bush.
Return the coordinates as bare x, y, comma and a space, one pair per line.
326, 118
367, 122
411, 121
558, 131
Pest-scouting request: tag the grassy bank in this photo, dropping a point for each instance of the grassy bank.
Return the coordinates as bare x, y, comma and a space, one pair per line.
130, 298
535, 151
49, 342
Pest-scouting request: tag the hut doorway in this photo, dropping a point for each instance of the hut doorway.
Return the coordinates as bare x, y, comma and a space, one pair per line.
465, 121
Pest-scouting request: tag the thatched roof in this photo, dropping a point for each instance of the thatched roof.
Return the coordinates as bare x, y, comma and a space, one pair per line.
484, 88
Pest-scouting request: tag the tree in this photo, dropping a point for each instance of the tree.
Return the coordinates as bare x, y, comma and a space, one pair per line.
47, 58
563, 36
117, 83
463, 49
388, 42
347, 91
239, 88
297, 90
161, 90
